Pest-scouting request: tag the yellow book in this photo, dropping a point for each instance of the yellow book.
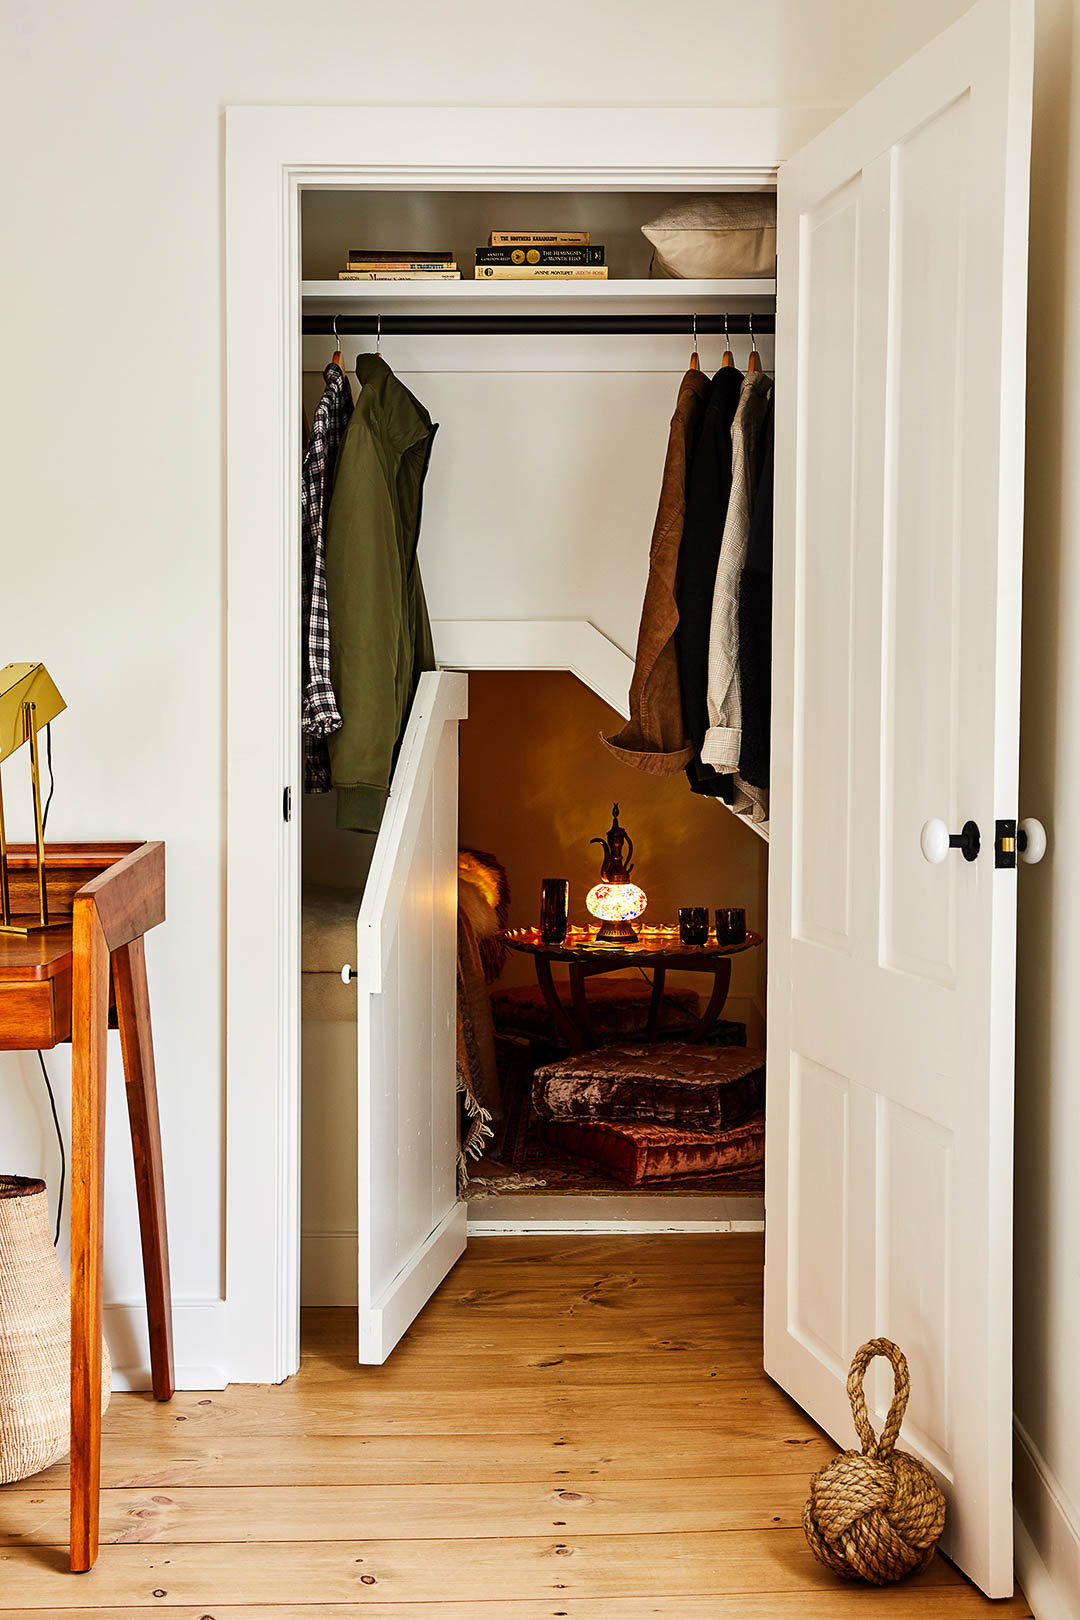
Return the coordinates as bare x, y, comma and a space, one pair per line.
541, 272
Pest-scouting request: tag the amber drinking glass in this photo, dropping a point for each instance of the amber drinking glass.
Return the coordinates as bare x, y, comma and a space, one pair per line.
730, 925
554, 909
694, 925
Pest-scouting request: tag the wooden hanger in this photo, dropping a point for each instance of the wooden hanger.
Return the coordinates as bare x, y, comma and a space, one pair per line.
754, 362
729, 358
695, 363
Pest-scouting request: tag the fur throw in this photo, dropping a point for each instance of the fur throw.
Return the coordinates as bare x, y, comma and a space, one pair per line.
484, 899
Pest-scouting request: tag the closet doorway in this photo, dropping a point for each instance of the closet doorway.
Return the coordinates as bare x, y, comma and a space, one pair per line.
902, 240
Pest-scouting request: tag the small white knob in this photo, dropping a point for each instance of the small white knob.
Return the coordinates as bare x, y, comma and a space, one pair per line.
934, 841
347, 974
1032, 847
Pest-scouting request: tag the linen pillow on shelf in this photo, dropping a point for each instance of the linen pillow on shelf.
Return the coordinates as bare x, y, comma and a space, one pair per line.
728, 235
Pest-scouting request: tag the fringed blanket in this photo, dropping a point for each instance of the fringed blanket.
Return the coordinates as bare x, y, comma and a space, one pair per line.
483, 907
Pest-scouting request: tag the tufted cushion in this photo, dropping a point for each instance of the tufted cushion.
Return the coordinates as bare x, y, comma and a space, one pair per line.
697, 1087
617, 1008
639, 1153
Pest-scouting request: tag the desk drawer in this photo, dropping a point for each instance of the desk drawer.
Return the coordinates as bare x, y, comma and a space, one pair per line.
28, 1016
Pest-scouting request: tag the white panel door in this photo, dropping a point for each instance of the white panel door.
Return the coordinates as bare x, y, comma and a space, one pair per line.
900, 432
411, 1225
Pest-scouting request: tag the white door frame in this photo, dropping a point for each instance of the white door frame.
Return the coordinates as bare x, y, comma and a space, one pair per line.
272, 155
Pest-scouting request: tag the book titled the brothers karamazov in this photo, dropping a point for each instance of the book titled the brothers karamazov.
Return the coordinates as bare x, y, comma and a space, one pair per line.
538, 239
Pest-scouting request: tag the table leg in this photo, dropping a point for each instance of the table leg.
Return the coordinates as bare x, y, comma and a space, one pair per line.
89, 1035
656, 1000
578, 975
563, 1024
137, 1045
709, 1018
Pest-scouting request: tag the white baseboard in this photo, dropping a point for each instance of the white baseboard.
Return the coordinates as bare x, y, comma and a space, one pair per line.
538, 1224
198, 1344
1047, 1534
328, 1268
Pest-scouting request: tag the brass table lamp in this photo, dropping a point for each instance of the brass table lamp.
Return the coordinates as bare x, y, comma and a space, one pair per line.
28, 701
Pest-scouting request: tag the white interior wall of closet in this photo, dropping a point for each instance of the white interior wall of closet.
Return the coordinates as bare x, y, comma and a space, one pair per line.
539, 504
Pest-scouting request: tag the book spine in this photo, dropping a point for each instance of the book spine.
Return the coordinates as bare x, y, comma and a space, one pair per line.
540, 255
400, 264
538, 239
396, 255
541, 272
399, 275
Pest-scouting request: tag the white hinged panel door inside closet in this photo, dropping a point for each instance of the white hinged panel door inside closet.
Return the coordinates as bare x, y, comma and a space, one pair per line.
900, 431
411, 1224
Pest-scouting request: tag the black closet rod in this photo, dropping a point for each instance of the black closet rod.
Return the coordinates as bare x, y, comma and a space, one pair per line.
540, 325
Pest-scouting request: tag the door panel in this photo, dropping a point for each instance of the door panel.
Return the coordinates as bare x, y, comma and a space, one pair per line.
901, 311
411, 1225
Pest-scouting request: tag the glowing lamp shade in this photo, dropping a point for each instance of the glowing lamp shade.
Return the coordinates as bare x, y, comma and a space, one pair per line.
615, 901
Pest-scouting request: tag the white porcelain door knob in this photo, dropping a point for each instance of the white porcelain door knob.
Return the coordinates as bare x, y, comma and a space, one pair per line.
347, 974
934, 841
1030, 840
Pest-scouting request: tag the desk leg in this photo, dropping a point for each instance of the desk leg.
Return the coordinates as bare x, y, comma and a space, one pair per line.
137, 1045
89, 1035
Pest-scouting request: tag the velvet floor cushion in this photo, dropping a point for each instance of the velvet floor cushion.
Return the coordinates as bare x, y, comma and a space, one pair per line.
617, 1008
670, 1083
636, 1154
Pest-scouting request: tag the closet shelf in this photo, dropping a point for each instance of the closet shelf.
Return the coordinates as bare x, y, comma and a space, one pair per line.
736, 297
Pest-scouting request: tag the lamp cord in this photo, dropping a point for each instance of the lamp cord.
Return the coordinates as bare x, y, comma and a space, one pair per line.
40, 1058
60, 1145
52, 779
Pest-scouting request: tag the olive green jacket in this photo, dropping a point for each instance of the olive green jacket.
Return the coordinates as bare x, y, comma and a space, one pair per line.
380, 637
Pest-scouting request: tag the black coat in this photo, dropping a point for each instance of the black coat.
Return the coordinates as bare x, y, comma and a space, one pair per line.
755, 625
708, 489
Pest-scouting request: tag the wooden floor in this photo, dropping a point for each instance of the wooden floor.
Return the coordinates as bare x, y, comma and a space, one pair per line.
576, 1426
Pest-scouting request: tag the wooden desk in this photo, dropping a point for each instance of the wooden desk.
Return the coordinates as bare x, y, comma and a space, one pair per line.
655, 952
64, 985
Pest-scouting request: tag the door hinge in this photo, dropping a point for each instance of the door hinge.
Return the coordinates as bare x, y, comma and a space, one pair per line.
1005, 843
286, 804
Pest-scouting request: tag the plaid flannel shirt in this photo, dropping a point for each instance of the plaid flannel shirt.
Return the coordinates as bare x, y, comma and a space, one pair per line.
320, 713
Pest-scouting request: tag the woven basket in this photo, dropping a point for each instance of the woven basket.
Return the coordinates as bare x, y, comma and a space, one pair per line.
875, 1515
35, 1336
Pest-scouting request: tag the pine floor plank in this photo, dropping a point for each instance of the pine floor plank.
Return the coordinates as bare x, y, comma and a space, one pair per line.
686, 1564
739, 1409
179, 1457
412, 1512
574, 1427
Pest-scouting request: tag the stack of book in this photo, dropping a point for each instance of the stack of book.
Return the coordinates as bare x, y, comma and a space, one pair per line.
540, 256
398, 264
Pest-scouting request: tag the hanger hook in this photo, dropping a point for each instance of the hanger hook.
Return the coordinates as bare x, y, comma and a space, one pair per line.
753, 340
727, 334
337, 340
695, 334
378, 333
